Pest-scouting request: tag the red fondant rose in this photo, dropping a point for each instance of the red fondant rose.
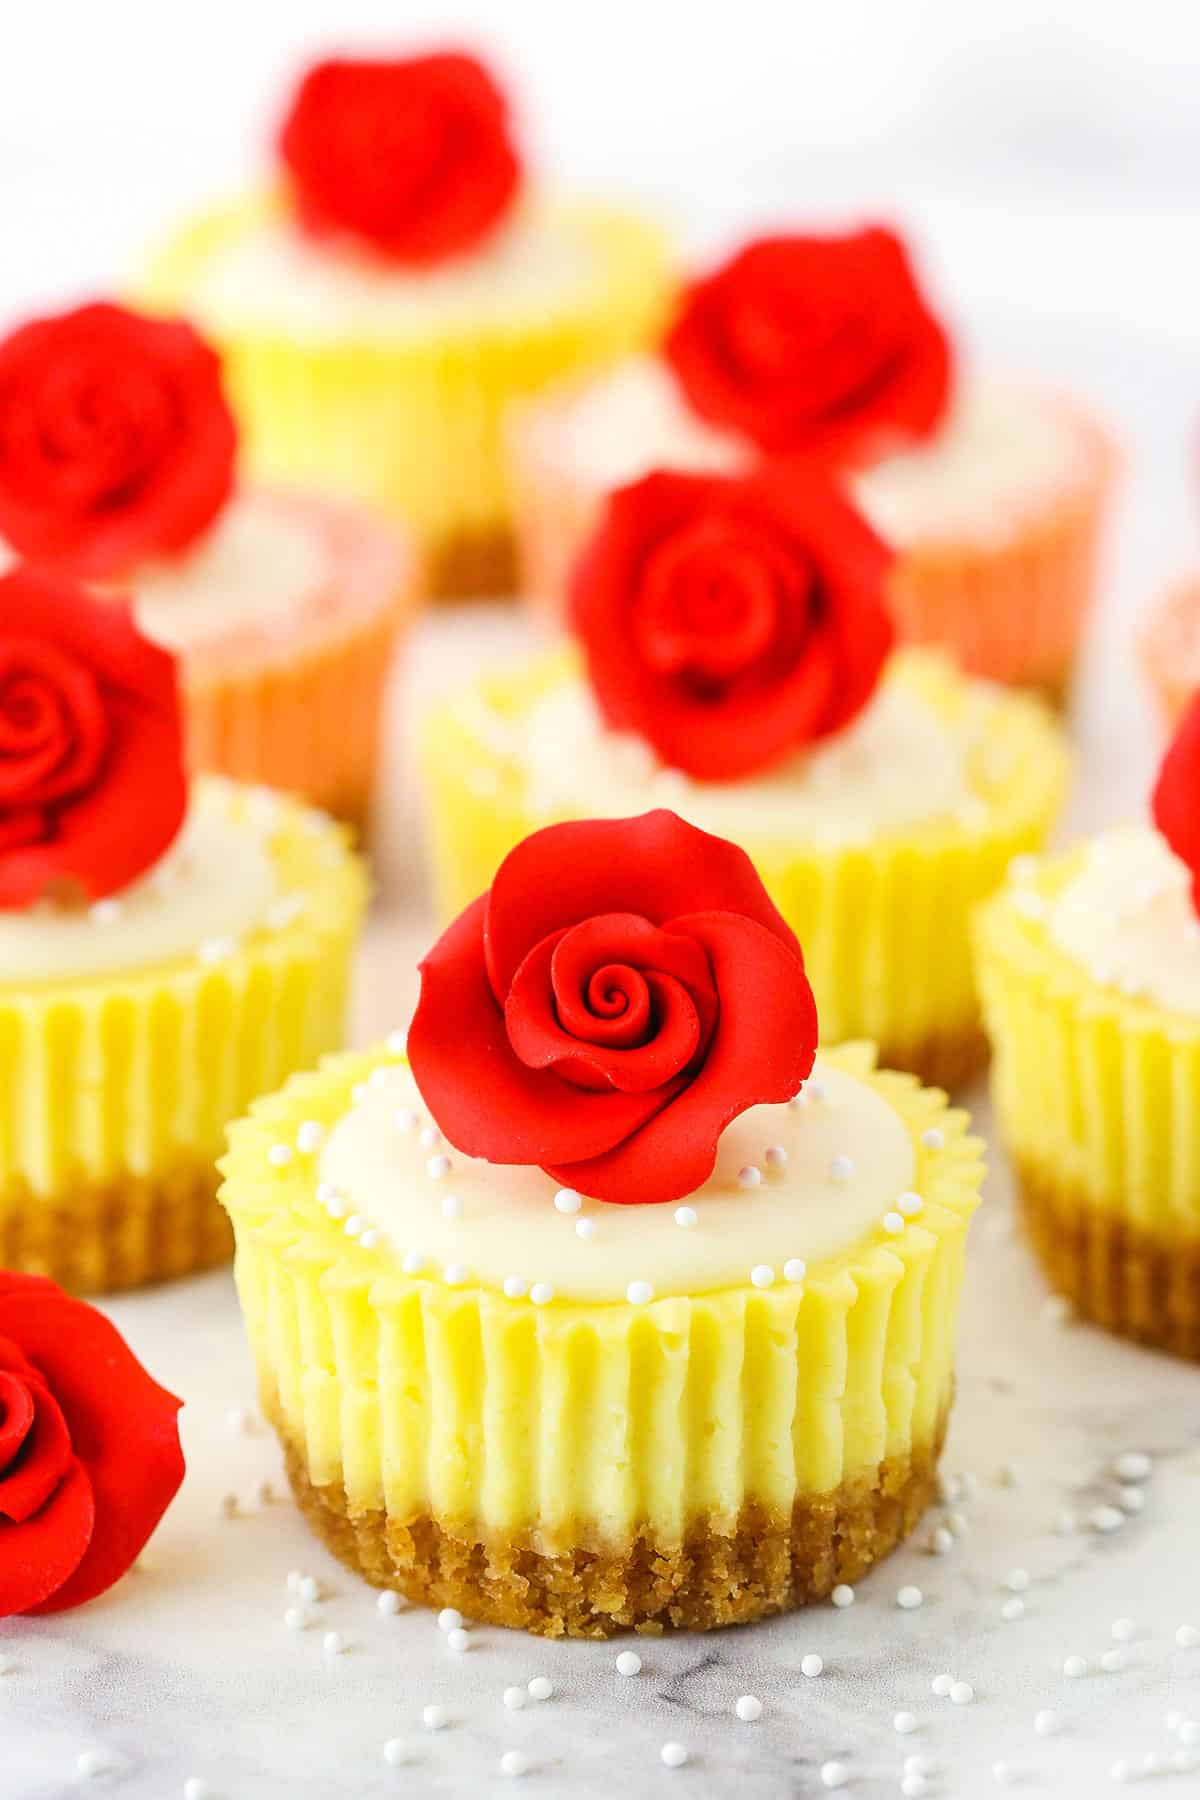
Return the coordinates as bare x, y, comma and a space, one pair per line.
729, 621
622, 993
1176, 802
413, 157
89, 1450
812, 343
92, 784
116, 443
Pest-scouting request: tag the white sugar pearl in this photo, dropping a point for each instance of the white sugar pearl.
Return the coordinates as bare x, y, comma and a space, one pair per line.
795, 1269
405, 1119
412, 1262
933, 1139
941, 1541
541, 1293
216, 950
1017, 1581
841, 1168
395, 1752
567, 1201
459, 1641
893, 1223
639, 1293
762, 1275
515, 1287
333, 1643
438, 1167
279, 1155
429, 1137
914, 1786
685, 1217
629, 1663
1002, 1774
309, 1590
911, 1205
1112, 1661
296, 1619
196, 1788
456, 1274
1187, 1637
1013, 1609
812, 1665
905, 1723
309, 1137
1134, 1465
514, 1762
541, 1687
814, 1090
1074, 1666
1046, 1722
585, 1228
433, 1717
514, 1698
916, 1764
748, 1708
105, 912
673, 1755
834, 1774
91, 1763
369, 1239
449, 1619
388, 1603
452, 1206
909, 1598
941, 1685
776, 1158
1132, 1499
353, 1225
1106, 1518
749, 1176
1123, 1630
842, 1595
962, 1693
1120, 1772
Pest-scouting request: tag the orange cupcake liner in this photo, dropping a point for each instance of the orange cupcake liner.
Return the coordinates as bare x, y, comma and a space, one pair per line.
1009, 607
304, 713
1170, 647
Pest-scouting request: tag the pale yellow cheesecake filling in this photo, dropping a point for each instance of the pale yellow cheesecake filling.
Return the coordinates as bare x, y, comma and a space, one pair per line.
1003, 446
216, 883
908, 759
273, 275
1127, 919
793, 1185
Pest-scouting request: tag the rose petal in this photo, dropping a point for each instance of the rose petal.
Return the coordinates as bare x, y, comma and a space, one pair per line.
40, 1556
123, 1428
1174, 804
45, 1456
486, 1102
548, 1024
657, 866
761, 1051
16, 1416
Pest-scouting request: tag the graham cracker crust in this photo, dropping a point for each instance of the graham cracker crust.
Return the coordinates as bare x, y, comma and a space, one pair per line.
99, 1239
1137, 1285
473, 565
946, 1060
770, 1564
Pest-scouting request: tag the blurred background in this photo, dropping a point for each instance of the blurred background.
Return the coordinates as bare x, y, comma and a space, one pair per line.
1044, 155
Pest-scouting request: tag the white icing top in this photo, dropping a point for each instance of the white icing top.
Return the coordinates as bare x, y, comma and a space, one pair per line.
260, 564
1127, 918
216, 883
501, 1221
896, 765
275, 277
999, 451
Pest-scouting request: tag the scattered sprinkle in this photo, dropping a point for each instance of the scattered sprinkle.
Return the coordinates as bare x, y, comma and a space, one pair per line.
456, 1274
1132, 1499
762, 1275
585, 1228
309, 1590
515, 1287
405, 1119
909, 1598
1187, 1637
673, 1755
433, 1717
1074, 1667
842, 1595
776, 1158
685, 1217
962, 1693
1002, 1774
941, 1540
369, 1239
749, 1708
567, 1201
941, 1685
279, 1155
458, 1640
1120, 1771
541, 1687
913, 1786
639, 1293
452, 1206
629, 1663
514, 1698
449, 1619
1134, 1465
749, 1177
933, 1139
216, 950
438, 1167
353, 1225
834, 1774
514, 1762
1046, 1722
1112, 1661
1013, 1609
394, 1752
904, 1723
333, 1643
1106, 1518
105, 912
795, 1269
812, 1665
893, 1223
296, 1619
196, 1788
911, 1205
412, 1262
309, 1137
841, 1168
388, 1603
429, 1137
91, 1763
1123, 1630
541, 1293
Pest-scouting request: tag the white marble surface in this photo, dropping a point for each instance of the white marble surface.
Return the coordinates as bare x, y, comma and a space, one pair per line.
187, 1670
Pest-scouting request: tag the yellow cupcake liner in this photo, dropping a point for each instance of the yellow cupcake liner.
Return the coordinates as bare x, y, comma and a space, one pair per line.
577, 1425
416, 424
1097, 1089
116, 1091
884, 925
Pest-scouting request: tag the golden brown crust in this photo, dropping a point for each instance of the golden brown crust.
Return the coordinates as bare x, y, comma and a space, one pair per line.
98, 1239
1140, 1286
946, 1059
473, 565
769, 1564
